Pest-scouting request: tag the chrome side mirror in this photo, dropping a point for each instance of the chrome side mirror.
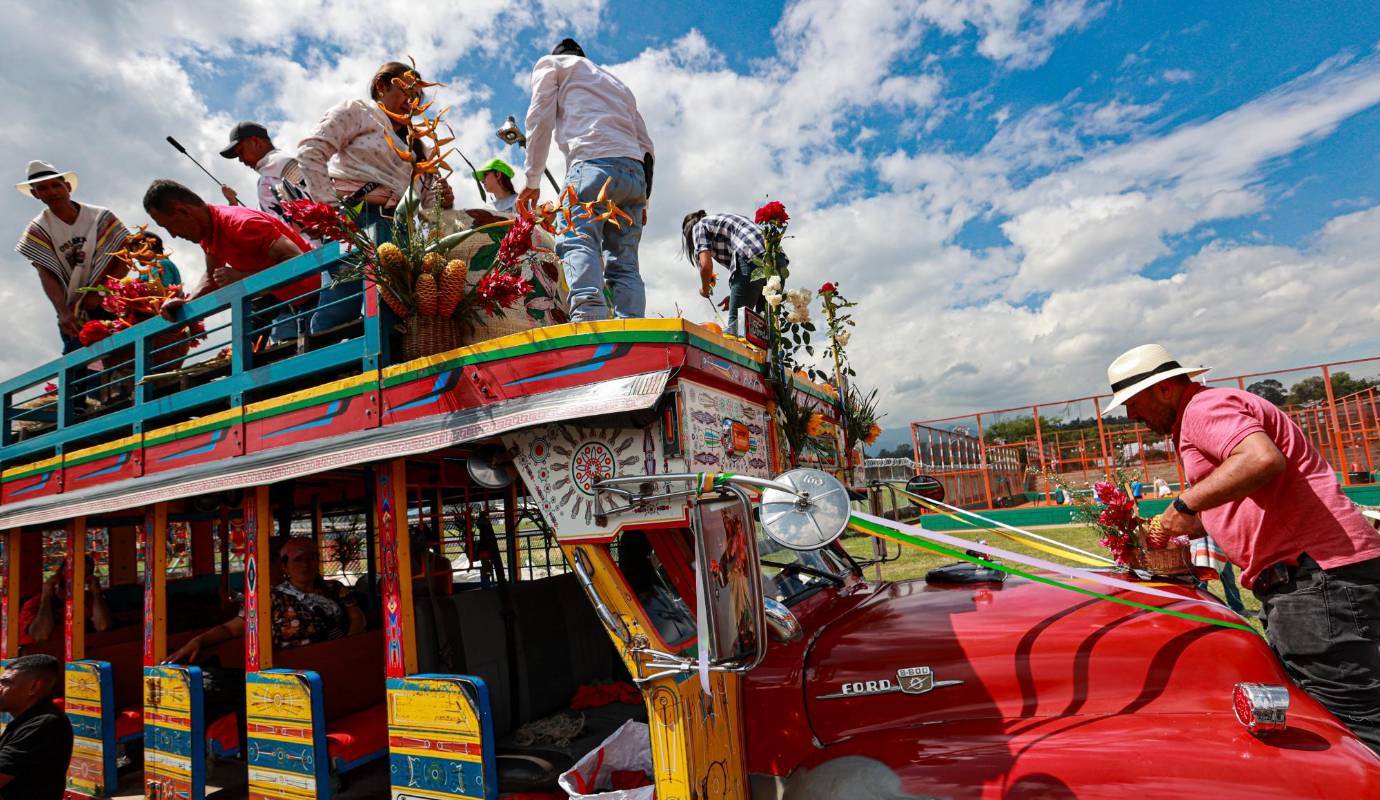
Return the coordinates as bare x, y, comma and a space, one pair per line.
781, 621
812, 513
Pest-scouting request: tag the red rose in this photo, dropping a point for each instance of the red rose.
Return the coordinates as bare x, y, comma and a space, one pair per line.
772, 212
828, 288
98, 329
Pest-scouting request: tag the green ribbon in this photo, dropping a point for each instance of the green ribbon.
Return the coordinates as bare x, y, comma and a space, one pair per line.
872, 529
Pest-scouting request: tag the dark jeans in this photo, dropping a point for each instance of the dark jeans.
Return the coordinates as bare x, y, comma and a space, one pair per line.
743, 293
1325, 627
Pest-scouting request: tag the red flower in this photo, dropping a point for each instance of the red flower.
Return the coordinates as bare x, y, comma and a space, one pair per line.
98, 329
828, 288
772, 212
50, 388
517, 242
499, 290
319, 220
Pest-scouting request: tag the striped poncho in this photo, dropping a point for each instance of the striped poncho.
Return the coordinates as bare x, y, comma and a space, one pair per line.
102, 234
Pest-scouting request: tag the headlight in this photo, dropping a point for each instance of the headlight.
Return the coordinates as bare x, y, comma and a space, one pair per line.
1261, 707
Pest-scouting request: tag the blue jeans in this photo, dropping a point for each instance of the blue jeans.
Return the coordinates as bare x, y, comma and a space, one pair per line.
603, 253
334, 304
1233, 594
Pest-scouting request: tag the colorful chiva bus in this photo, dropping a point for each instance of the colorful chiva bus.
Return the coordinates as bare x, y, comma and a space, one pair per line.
547, 536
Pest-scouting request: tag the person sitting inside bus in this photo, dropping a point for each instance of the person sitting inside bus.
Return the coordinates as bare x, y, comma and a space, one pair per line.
306, 608
42, 614
431, 572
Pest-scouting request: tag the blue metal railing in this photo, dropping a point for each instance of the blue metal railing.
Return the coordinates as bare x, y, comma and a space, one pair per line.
101, 390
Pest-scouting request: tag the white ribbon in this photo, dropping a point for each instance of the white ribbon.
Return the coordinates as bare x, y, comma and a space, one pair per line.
1031, 561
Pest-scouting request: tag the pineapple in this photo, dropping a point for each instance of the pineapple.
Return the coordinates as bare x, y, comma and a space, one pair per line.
426, 295
392, 260
452, 287
433, 263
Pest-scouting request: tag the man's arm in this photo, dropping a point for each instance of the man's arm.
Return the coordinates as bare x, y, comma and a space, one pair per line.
283, 249
706, 273
1253, 463
45, 618
100, 612
207, 285
191, 651
57, 295
541, 119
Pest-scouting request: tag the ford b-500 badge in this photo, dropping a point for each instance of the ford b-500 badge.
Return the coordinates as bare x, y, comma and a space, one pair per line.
910, 680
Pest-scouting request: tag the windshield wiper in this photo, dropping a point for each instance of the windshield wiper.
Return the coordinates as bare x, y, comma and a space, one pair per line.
794, 567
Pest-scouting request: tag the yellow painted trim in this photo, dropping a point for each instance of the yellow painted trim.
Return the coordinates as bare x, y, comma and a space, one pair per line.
103, 448
199, 422
544, 334
156, 571
315, 391
55, 461
720, 340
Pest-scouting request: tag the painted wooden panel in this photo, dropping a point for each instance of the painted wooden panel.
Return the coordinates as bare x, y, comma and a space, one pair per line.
711, 420
90, 706
561, 463
286, 752
174, 734
390, 512
440, 738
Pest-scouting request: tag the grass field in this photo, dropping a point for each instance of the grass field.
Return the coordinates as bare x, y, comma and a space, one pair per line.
914, 563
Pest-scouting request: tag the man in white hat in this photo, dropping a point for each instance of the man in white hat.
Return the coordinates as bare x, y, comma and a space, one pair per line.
1272, 503
70, 244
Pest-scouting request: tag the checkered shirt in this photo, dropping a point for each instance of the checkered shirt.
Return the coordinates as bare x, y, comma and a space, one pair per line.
730, 238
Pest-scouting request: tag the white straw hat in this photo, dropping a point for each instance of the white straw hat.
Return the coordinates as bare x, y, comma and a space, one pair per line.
40, 171
1140, 368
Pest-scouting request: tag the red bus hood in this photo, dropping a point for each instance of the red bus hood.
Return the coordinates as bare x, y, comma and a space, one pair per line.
1026, 651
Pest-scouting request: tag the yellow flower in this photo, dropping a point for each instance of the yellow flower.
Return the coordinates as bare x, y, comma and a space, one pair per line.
814, 426
872, 434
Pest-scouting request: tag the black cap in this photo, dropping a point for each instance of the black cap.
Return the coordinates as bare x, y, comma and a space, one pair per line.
239, 133
568, 47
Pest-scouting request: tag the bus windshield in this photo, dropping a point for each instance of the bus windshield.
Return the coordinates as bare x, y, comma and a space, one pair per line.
791, 575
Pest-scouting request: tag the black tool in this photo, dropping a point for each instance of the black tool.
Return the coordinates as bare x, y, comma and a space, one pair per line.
177, 146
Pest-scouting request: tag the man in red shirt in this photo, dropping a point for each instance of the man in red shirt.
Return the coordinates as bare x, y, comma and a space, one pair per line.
238, 241
42, 615
1272, 502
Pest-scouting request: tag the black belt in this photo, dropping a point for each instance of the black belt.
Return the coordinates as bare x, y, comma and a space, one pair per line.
1281, 574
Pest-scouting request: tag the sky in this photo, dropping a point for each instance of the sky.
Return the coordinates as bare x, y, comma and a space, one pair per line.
1014, 192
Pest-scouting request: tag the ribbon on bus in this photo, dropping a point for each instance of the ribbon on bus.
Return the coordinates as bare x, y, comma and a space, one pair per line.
956, 548
1034, 541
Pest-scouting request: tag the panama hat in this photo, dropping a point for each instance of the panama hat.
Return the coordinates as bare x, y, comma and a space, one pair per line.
40, 171
1138, 369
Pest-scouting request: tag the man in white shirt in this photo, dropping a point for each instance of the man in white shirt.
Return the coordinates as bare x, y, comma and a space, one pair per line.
280, 176
595, 120
70, 244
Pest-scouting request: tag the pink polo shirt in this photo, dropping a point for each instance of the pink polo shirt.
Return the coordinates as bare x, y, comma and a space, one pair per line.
1303, 510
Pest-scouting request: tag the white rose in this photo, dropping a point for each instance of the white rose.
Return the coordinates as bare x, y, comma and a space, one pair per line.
773, 298
800, 315
843, 338
773, 284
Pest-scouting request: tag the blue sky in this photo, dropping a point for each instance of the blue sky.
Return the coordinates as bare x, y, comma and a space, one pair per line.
1015, 191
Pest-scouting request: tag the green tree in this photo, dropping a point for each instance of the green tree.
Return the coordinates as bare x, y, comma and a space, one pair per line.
1017, 429
1271, 390
1312, 390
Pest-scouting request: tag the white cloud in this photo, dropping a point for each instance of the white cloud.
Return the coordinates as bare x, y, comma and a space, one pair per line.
1076, 196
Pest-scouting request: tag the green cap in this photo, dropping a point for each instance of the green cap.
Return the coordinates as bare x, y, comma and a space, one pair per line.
496, 165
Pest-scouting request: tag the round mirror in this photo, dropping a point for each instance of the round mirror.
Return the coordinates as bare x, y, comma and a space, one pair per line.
484, 472
927, 487
812, 516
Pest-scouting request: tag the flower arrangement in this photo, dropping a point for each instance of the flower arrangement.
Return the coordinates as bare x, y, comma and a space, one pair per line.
137, 296
1133, 541
413, 276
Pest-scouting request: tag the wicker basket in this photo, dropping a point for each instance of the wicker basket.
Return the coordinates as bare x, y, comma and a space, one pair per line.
1162, 561
427, 336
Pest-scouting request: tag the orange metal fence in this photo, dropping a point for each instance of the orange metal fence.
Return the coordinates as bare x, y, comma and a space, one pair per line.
1027, 454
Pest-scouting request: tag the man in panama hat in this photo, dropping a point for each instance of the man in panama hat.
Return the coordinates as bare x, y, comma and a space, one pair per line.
70, 245
1271, 501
